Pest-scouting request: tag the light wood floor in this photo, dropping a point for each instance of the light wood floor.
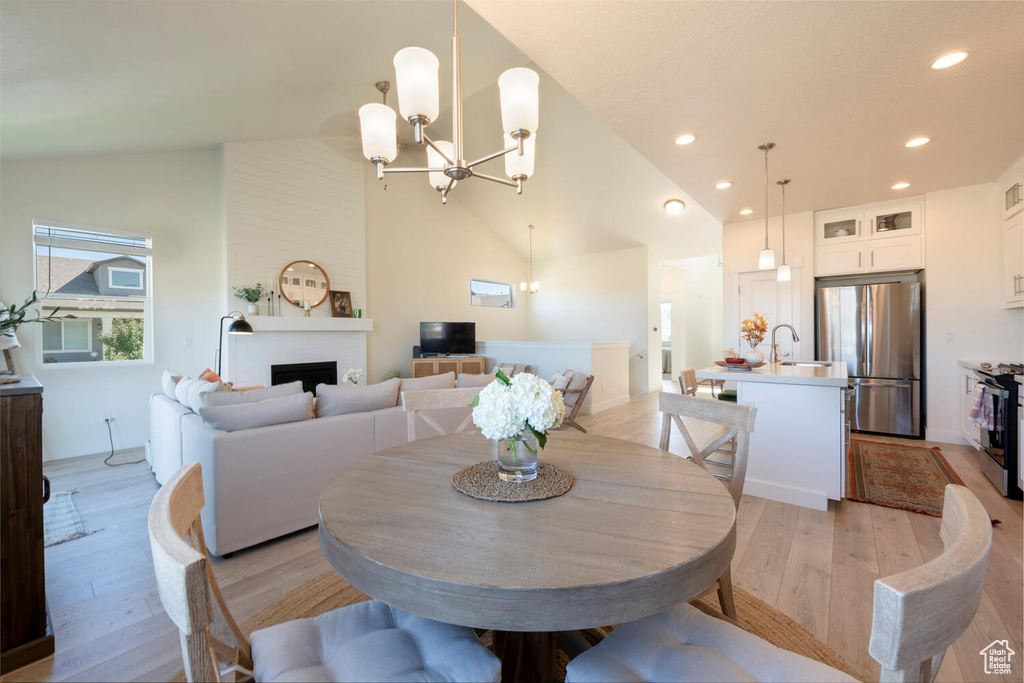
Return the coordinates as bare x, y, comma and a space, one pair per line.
817, 567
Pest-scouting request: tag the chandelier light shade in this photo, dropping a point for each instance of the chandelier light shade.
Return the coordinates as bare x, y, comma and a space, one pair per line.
377, 125
532, 286
766, 259
519, 100
416, 73
785, 273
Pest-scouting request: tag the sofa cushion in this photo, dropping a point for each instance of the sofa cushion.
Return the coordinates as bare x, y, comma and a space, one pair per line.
445, 381
513, 369
342, 399
467, 381
200, 387
234, 398
181, 390
168, 382
273, 411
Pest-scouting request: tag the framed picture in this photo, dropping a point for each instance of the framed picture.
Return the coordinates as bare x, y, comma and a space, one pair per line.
341, 304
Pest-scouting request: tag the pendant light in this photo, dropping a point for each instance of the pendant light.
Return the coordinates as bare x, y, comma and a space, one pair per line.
766, 260
532, 286
785, 273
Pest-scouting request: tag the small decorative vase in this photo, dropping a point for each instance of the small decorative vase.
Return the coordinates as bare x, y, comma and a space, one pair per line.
753, 356
517, 457
254, 309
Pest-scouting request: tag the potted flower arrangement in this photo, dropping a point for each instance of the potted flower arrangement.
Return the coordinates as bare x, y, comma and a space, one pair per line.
251, 295
753, 330
517, 414
352, 376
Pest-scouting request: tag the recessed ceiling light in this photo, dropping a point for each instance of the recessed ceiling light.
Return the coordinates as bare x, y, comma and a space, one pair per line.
901, 186
724, 185
746, 212
917, 142
685, 139
674, 207
949, 60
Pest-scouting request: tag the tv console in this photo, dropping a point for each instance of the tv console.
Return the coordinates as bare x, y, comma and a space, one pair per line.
439, 365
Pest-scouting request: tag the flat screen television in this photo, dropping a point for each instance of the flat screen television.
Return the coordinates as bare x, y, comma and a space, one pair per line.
448, 338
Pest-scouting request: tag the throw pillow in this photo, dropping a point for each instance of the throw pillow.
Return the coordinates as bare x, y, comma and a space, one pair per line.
467, 381
577, 380
209, 375
273, 411
343, 399
559, 382
445, 381
168, 382
200, 387
234, 398
181, 390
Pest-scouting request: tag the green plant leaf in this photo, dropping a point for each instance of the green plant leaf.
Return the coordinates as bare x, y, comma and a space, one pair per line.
476, 402
503, 378
542, 438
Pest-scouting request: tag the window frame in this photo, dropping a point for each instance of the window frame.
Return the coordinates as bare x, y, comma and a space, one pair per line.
511, 293
62, 349
140, 271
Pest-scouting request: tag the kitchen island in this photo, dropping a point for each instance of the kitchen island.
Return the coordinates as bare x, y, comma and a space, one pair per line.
799, 445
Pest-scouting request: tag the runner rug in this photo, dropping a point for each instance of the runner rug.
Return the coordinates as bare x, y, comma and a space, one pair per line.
899, 476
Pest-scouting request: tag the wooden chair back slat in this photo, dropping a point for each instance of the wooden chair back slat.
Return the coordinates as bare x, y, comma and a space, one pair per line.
920, 612
688, 382
570, 415
185, 581
416, 403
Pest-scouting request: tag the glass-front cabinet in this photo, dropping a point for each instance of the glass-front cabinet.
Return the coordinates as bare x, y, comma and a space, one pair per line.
869, 238
838, 227
895, 221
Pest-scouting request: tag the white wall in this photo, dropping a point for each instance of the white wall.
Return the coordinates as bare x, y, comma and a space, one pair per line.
963, 247
290, 200
420, 257
694, 286
173, 196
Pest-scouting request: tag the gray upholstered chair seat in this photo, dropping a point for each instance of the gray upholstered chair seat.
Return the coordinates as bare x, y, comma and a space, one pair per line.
371, 641
684, 644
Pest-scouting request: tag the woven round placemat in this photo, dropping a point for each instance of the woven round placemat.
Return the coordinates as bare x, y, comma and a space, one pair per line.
482, 481
9, 380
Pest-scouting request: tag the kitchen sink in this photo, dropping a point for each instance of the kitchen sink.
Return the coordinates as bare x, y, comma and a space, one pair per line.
807, 363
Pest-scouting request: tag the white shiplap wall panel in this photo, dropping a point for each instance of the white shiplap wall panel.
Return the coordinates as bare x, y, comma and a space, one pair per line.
290, 200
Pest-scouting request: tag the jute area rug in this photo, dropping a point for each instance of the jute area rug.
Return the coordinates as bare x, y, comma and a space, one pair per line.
61, 522
329, 591
899, 476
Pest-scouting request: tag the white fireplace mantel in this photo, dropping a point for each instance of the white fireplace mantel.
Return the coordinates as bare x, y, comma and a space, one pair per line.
269, 323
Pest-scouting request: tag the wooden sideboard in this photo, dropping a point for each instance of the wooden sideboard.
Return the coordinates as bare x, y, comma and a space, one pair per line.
438, 365
25, 632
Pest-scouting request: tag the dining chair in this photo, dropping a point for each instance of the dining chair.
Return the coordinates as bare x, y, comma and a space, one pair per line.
365, 641
574, 394
688, 382
733, 423
420, 405
917, 615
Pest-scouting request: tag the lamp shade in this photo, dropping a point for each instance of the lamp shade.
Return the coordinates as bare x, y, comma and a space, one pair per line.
785, 273
516, 165
519, 99
380, 135
766, 260
435, 160
240, 326
416, 80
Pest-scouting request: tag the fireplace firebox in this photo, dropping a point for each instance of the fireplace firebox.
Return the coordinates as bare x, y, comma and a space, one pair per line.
311, 374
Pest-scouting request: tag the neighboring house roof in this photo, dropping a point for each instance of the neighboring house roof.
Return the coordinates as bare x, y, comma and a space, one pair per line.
67, 276
129, 261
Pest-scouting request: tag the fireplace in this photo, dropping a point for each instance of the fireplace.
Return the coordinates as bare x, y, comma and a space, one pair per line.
311, 374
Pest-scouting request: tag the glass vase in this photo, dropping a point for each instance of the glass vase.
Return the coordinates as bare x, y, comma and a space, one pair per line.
517, 457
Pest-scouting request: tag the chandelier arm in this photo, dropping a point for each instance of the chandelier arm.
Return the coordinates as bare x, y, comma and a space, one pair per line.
496, 180
500, 153
437, 149
388, 169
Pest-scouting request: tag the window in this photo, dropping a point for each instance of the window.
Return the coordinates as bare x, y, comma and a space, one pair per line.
104, 281
493, 294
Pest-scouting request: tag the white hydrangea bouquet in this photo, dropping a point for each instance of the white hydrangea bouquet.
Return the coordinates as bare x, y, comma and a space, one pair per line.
519, 411
352, 375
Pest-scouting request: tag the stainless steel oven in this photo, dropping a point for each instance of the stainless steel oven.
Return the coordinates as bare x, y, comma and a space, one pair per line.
998, 455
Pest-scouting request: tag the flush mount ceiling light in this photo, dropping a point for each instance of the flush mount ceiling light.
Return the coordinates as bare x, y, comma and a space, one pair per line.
901, 186
766, 259
917, 142
685, 139
416, 77
724, 185
785, 273
746, 212
674, 207
532, 286
948, 60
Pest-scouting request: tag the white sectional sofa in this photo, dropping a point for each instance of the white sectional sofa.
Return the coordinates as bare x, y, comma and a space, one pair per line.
264, 482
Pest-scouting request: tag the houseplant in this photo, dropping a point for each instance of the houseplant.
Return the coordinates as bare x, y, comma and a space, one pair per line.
517, 414
753, 330
251, 295
13, 316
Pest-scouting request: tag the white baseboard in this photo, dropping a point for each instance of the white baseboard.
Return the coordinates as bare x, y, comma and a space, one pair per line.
944, 436
816, 500
605, 405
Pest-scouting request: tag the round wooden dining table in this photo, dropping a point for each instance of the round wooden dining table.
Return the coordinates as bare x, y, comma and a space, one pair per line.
639, 531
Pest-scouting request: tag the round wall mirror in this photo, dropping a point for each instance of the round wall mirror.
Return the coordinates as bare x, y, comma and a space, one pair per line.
304, 281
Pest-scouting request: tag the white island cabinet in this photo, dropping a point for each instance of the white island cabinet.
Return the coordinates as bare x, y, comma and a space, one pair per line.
798, 448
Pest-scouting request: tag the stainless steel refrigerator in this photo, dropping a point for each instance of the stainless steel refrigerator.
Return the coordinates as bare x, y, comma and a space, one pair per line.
876, 330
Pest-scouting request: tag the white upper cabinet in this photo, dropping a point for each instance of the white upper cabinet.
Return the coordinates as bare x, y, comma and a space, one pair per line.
870, 238
1012, 199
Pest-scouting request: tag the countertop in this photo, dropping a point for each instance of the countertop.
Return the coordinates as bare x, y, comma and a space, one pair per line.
773, 373
27, 385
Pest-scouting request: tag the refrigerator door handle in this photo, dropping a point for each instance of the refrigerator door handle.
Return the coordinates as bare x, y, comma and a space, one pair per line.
901, 383
869, 333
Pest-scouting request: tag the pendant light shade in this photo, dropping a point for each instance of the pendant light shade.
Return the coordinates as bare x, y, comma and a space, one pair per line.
439, 180
519, 99
766, 260
785, 273
520, 166
379, 132
533, 286
416, 79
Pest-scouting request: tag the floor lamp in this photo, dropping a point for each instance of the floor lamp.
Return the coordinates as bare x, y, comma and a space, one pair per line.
237, 326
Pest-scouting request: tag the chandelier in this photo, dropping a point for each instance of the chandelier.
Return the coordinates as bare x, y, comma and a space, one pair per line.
766, 259
416, 78
532, 286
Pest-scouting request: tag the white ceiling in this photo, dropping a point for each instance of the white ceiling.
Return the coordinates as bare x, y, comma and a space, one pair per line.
838, 86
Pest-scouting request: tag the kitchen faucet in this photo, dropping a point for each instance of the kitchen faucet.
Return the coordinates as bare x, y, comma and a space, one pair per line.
773, 357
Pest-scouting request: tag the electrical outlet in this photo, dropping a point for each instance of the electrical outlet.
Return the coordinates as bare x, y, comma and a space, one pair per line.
950, 338
108, 417
188, 342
